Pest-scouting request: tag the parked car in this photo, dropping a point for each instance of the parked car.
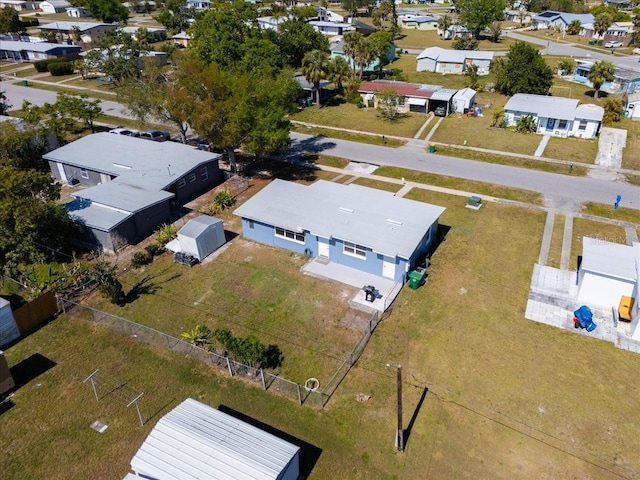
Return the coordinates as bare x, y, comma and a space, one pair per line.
440, 112
636, 51
612, 44
156, 135
129, 132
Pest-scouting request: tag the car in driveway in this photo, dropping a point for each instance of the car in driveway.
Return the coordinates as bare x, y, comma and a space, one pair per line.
129, 132
612, 44
156, 135
440, 112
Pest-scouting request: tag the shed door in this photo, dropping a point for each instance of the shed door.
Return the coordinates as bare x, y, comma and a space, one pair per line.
63, 175
388, 268
323, 248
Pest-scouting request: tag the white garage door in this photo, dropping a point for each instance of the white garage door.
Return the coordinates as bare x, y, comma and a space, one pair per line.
599, 290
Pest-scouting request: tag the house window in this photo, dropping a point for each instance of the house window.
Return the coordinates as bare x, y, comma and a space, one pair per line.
181, 183
251, 224
192, 177
204, 174
401, 101
583, 125
84, 173
562, 125
355, 250
290, 235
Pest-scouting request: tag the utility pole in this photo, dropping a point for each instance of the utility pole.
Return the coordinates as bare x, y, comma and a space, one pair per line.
400, 438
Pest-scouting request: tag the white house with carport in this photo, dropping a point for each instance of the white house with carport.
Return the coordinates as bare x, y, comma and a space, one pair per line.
196, 441
632, 106
412, 97
353, 226
555, 116
134, 185
442, 60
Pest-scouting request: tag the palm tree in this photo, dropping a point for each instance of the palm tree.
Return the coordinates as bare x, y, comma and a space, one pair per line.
365, 54
339, 71
602, 23
600, 72
351, 41
200, 336
444, 22
315, 67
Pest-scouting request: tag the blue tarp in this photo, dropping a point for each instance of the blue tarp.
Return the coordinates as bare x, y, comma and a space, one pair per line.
585, 318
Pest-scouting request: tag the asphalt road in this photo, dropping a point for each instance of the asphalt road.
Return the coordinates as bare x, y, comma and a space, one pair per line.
563, 191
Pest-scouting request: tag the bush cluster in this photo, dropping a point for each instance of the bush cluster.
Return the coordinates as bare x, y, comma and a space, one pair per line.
154, 249
58, 69
141, 258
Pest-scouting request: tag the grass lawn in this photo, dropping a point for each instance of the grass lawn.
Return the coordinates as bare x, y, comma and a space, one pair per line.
603, 210
327, 160
572, 149
505, 395
429, 38
630, 155
352, 137
350, 116
555, 249
589, 228
386, 186
460, 184
73, 91
407, 63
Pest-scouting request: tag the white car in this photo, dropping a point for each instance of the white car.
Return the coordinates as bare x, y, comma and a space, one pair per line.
612, 44
129, 132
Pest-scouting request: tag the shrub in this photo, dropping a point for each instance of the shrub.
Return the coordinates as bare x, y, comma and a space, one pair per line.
58, 69
613, 111
566, 65
526, 124
41, 65
112, 289
465, 43
154, 249
141, 258
351, 94
224, 200
165, 233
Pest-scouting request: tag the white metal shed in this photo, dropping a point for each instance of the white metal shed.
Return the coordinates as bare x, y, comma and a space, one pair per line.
8, 327
463, 100
201, 236
195, 440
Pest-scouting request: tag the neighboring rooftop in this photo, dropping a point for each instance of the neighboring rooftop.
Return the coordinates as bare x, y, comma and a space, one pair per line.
543, 105
40, 47
68, 26
406, 89
387, 224
608, 258
457, 56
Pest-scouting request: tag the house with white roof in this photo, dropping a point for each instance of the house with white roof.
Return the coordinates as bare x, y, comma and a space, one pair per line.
561, 20
412, 97
418, 22
555, 116
620, 31
156, 34
133, 185
357, 227
195, 440
331, 28
632, 106
77, 12
20, 5
626, 79
442, 60
90, 31
54, 6
15, 51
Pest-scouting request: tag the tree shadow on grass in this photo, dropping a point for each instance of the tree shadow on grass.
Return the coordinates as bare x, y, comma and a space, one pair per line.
142, 287
592, 94
284, 170
309, 454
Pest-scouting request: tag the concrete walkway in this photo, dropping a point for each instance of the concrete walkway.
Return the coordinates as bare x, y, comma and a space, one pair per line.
566, 242
542, 145
610, 144
546, 239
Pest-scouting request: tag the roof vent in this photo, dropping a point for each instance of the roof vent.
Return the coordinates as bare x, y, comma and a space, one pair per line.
119, 165
345, 210
394, 222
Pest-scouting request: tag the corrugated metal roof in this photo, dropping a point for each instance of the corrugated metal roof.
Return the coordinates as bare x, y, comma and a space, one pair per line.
196, 226
445, 94
607, 258
467, 93
379, 220
417, 90
543, 106
195, 441
457, 56
68, 26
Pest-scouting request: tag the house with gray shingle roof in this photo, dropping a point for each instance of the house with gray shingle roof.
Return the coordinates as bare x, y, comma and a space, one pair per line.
442, 60
555, 116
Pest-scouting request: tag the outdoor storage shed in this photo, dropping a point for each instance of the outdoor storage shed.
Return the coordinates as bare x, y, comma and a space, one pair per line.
463, 100
8, 327
195, 440
201, 236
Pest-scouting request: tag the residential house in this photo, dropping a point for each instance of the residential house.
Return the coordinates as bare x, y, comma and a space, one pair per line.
331, 28
442, 60
455, 31
195, 440
133, 185
271, 22
625, 80
15, 51
20, 5
518, 16
156, 34
620, 31
337, 50
632, 106
78, 12
412, 97
140, 7
48, 139
199, 4
54, 6
310, 89
551, 19
357, 227
160, 58
621, 4
463, 100
182, 38
418, 22
555, 116
89, 31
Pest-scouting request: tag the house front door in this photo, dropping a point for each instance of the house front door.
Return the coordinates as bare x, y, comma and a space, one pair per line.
389, 268
323, 248
551, 122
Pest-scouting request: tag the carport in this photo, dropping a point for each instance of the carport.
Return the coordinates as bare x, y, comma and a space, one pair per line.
442, 98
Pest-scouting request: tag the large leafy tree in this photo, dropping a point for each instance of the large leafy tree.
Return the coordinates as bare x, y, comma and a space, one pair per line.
611, 10
22, 146
315, 68
600, 72
296, 37
523, 70
30, 216
479, 14
339, 71
117, 55
10, 20
107, 10
352, 6
381, 42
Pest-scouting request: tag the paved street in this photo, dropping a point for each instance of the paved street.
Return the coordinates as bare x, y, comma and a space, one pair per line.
563, 190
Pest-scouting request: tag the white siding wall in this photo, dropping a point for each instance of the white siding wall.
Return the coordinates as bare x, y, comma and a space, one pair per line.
426, 65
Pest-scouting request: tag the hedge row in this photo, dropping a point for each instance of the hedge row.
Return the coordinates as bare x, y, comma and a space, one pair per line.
58, 69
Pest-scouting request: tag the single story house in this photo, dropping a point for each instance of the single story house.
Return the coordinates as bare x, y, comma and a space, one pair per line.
520, 16
331, 28
463, 100
134, 185
54, 6
195, 440
199, 4
413, 97
625, 80
358, 227
156, 34
140, 7
20, 5
455, 31
552, 19
78, 12
309, 88
182, 38
621, 4
418, 22
620, 31
632, 106
442, 60
271, 23
15, 51
556, 116
90, 31
337, 50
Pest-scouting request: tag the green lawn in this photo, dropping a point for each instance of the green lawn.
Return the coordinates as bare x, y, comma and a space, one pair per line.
386, 186
429, 38
607, 211
555, 248
352, 137
407, 63
572, 149
630, 155
350, 116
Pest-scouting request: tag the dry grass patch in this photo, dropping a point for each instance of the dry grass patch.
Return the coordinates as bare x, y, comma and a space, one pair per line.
572, 149
429, 38
589, 228
407, 63
386, 186
351, 137
555, 249
630, 154
604, 210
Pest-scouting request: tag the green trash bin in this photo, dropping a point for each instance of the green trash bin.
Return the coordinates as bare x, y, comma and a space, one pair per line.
414, 279
25, 83
432, 149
